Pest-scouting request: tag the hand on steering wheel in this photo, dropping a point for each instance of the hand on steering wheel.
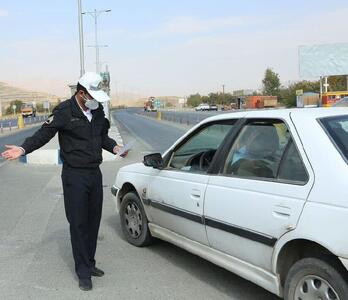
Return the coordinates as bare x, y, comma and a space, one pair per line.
205, 159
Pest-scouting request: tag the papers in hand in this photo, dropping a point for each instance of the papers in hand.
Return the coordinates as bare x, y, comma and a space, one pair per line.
125, 149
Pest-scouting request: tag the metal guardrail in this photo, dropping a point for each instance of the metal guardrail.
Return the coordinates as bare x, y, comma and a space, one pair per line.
10, 124
172, 116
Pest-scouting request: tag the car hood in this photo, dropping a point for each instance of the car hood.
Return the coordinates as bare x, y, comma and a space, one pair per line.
138, 168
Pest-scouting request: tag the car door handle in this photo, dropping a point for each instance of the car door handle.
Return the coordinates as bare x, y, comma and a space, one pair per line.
281, 211
196, 194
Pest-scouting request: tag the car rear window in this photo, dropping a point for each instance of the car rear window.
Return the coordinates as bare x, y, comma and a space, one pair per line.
337, 129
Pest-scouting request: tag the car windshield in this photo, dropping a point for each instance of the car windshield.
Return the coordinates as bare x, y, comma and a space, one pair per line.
26, 105
209, 138
337, 129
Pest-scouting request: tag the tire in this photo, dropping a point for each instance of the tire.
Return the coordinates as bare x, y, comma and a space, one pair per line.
134, 222
313, 278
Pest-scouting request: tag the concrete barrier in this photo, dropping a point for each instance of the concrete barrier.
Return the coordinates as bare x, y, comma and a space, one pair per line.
42, 157
50, 153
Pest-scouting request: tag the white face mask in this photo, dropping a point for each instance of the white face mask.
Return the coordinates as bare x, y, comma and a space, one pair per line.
91, 103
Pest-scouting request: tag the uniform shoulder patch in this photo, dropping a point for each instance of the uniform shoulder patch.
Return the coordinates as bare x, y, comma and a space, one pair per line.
49, 120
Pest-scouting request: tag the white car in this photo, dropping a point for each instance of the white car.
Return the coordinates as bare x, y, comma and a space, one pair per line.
260, 193
202, 107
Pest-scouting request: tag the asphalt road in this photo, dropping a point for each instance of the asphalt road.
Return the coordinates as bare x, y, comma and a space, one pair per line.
16, 137
183, 117
155, 135
35, 254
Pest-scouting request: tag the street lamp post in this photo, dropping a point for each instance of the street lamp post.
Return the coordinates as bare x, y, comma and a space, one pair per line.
95, 14
82, 55
98, 62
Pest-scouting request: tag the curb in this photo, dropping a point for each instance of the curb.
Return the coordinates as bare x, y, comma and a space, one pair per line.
42, 157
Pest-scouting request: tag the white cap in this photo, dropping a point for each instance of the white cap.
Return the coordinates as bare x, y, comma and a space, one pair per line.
92, 82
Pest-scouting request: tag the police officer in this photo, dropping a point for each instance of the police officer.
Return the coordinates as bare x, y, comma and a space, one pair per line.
83, 133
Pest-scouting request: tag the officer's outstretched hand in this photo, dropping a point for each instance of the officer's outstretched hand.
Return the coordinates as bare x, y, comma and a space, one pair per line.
12, 153
117, 149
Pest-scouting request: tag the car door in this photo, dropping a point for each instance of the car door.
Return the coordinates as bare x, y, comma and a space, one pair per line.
260, 191
177, 192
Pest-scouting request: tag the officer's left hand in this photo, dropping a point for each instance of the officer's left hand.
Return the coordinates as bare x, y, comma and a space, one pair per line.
117, 148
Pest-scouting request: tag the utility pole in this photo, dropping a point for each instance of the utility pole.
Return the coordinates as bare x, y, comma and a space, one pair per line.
321, 91
223, 94
96, 41
326, 85
82, 55
95, 14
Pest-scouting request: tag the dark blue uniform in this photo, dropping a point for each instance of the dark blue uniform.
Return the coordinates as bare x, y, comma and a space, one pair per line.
81, 143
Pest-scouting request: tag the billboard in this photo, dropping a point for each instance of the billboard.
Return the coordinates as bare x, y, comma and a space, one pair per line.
243, 92
323, 60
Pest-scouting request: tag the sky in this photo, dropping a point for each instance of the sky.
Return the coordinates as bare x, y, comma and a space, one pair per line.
157, 48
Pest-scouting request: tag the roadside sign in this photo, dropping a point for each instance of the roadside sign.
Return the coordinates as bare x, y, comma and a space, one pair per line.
299, 92
157, 103
299, 101
46, 104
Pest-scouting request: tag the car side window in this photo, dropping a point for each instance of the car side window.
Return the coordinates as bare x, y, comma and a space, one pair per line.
196, 154
292, 168
258, 149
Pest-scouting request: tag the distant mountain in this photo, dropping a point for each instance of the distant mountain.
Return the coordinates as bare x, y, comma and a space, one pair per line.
10, 93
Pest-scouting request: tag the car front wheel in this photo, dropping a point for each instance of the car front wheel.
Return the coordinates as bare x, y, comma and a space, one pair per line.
312, 278
134, 221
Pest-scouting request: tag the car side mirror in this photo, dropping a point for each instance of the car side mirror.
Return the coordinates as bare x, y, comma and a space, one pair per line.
154, 160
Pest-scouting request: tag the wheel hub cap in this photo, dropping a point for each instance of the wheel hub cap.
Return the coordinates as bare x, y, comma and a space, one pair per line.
315, 288
133, 220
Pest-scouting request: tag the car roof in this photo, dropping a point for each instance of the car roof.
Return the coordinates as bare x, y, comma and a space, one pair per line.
308, 113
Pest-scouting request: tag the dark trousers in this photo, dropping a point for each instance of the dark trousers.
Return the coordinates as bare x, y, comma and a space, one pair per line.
83, 200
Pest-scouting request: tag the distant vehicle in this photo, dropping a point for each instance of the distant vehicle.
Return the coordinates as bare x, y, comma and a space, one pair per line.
149, 105
213, 107
251, 192
206, 107
341, 103
202, 107
28, 110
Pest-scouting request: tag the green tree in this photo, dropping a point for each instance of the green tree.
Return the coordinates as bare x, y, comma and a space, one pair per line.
169, 104
205, 99
287, 95
214, 98
337, 83
39, 108
194, 100
271, 83
228, 98
18, 104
